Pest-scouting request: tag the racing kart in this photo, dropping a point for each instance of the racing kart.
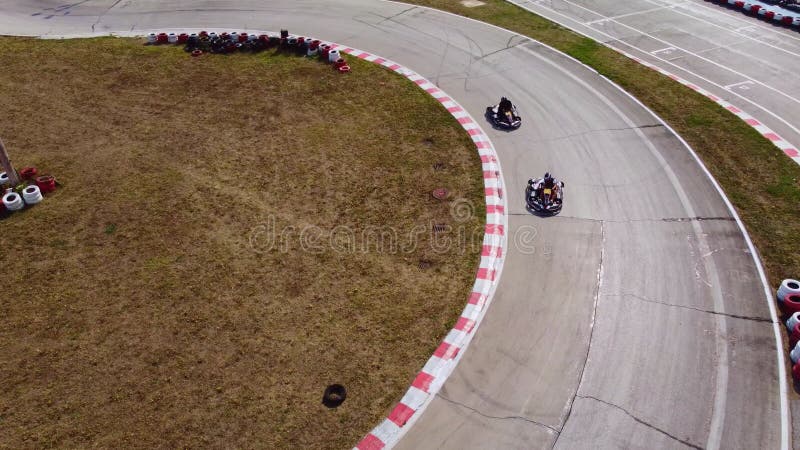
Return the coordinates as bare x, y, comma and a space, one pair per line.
510, 120
544, 200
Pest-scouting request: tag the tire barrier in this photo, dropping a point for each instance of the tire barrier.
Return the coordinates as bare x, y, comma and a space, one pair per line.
32, 195
778, 15
12, 201
788, 286
3, 179
196, 44
796, 372
151, 38
28, 173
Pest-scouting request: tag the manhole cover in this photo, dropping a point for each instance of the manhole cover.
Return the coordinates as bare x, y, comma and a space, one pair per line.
334, 395
440, 194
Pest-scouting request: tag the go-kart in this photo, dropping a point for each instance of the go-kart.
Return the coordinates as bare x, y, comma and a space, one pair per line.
508, 120
544, 200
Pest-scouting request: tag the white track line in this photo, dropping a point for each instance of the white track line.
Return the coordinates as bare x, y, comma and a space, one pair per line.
751, 23
677, 10
688, 52
666, 61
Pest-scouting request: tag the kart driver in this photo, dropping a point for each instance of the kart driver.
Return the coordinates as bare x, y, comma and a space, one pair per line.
503, 106
547, 182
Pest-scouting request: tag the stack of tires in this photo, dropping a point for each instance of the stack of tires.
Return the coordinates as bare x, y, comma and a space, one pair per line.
203, 42
28, 192
789, 299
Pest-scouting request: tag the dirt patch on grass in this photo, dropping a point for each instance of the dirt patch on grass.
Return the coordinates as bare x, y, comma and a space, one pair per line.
233, 234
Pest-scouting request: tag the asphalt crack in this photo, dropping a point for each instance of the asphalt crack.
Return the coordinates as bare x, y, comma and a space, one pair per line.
642, 422
488, 416
707, 311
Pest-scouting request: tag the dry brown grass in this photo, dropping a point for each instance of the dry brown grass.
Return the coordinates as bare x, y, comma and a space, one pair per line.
136, 313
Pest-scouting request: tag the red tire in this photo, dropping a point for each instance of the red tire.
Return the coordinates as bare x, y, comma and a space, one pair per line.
791, 303
28, 173
796, 372
794, 336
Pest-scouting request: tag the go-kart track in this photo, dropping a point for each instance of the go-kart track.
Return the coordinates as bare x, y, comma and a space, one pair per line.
636, 318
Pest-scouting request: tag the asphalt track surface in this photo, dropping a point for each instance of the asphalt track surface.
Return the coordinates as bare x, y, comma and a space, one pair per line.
635, 319
748, 62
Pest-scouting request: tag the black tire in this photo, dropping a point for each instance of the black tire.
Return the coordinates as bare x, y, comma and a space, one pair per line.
334, 395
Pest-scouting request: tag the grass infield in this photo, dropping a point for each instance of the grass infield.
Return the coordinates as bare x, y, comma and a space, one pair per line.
145, 304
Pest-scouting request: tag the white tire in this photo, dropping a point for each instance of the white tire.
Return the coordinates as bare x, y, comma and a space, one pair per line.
788, 286
13, 202
3, 178
32, 195
172, 38
151, 38
333, 55
792, 321
795, 353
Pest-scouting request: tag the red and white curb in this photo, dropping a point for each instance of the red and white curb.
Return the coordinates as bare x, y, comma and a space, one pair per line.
444, 359
779, 15
787, 148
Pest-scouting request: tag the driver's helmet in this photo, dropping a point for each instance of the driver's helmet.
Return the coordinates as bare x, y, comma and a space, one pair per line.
547, 176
